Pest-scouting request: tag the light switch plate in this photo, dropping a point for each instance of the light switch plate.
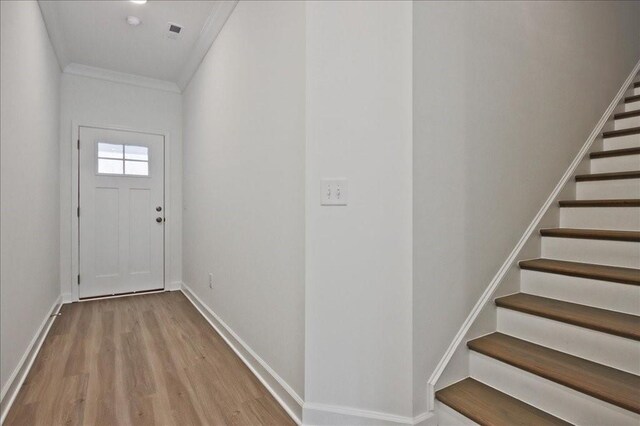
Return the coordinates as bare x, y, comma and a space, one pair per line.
334, 192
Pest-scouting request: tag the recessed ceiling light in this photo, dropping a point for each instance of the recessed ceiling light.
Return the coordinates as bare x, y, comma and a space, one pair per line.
138, 1
133, 20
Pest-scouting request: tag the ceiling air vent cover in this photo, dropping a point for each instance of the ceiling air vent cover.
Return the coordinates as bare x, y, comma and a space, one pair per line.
175, 30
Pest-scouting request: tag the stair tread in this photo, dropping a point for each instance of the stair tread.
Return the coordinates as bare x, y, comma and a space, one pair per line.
599, 381
592, 234
615, 152
622, 132
630, 99
611, 322
584, 270
628, 114
632, 174
488, 406
625, 202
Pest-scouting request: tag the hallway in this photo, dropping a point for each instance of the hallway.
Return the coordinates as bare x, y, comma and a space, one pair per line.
320, 213
146, 359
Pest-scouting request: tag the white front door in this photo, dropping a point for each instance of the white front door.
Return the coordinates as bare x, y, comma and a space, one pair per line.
121, 215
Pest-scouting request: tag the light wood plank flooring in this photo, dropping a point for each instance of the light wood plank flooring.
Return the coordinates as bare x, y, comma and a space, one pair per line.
147, 359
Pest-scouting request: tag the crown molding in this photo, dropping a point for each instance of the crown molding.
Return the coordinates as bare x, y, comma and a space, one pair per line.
216, 20
121, 77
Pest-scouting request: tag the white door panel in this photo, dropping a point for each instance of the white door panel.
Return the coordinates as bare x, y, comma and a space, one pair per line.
121, 231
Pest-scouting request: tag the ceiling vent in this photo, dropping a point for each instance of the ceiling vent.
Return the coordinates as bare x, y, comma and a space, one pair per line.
174, 30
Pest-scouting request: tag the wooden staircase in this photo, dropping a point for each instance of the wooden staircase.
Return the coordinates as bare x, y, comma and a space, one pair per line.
567, 347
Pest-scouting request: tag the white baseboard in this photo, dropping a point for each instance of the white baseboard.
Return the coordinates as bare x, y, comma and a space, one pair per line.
514, 256
281, 391
322, 414
12, 387
314, 414
425, 419
289, 400
173, 286
67, 298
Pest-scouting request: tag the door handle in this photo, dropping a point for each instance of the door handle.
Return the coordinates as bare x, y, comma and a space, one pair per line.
159, 219
158, 209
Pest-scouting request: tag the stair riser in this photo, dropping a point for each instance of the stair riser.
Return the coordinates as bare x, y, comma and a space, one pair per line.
636, 91
614, 351
631, 106
561, 401
626, 123
623, 163
608, 189
622, 142
599, 294
613, 218
602, 252
447, 416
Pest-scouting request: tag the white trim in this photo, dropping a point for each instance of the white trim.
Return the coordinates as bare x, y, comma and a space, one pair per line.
425, 418
278, 387
251, 359
215, 22
17, 378
350, 413
513, 257
168, 207
356, 412
173, 286
121, 77
66, 298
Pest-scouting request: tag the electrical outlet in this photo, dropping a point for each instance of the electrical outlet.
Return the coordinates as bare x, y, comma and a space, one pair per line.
210, 280
334, 192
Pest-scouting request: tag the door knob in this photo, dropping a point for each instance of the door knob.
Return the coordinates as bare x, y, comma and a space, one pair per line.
159, 219
158, 209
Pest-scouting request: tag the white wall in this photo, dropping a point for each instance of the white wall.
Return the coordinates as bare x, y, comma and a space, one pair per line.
359, 280
244, 196
29, 201
244, 182
87, 100
505, 94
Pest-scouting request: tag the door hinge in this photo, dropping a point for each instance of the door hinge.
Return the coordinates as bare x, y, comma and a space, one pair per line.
78, 279
78, 143
78, 211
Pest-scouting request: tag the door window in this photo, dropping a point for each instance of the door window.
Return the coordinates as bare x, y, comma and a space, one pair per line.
122, 159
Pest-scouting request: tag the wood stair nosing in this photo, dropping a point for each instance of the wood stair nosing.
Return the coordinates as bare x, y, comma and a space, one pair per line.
629, 99
615, 153
486, 405
624, 202
621, 132
627, 114
590, 177
615, 274
610, 322
591, 234
599, 381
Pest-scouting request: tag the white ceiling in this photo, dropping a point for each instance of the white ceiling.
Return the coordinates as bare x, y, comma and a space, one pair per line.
96, 34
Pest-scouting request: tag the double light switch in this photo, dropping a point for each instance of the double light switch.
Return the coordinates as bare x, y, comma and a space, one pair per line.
334, 192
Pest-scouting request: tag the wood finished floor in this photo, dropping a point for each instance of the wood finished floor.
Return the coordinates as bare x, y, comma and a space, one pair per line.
140, 360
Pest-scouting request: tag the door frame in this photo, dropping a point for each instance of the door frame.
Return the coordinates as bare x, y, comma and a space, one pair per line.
74, 203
